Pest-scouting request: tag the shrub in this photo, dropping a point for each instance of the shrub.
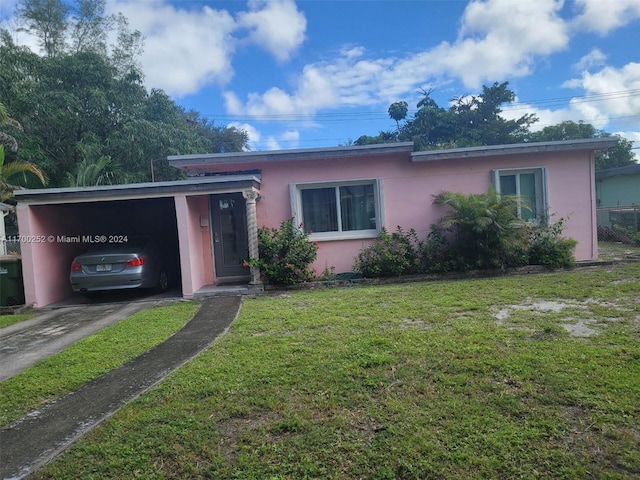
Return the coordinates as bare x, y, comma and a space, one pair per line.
436, 254
392, 255
285, 254
548, 247
479, 231
484, 230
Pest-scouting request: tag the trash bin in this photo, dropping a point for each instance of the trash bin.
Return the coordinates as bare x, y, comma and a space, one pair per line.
11, 287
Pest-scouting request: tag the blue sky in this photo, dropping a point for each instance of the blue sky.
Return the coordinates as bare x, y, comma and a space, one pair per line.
319, 73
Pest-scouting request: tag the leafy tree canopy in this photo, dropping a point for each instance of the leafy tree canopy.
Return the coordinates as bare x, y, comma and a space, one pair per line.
86, 116
619, 156
477, 120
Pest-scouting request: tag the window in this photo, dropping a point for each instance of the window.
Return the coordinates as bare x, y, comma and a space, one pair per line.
338, 210
529, 185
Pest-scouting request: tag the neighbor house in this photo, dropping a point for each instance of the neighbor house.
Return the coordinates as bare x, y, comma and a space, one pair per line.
342, 196
618, 187
618, 203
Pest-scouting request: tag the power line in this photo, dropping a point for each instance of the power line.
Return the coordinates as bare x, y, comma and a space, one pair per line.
378, 115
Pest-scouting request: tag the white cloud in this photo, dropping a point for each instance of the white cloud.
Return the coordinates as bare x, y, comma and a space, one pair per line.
348, 81
252, 132
188, 49
184, 49
488, 49
633, 137
276, 25
611, 92
595, 58
602, 16
610, 101
291, 135
21, 38
271, 142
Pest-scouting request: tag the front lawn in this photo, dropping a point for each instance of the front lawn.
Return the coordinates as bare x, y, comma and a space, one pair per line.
89, 358
515, 377
10, 319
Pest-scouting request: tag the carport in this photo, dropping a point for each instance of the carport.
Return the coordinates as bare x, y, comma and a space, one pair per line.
209, 222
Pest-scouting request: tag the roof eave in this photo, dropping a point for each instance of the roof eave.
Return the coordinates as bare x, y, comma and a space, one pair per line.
590, 144
302, 154
192, 186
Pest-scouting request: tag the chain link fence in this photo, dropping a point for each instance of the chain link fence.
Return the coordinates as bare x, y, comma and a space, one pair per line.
619, 224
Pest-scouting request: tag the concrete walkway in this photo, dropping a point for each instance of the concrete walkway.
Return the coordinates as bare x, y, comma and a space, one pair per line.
39, 436
25, 343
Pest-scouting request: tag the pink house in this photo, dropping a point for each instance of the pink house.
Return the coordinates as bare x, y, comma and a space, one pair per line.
344, 195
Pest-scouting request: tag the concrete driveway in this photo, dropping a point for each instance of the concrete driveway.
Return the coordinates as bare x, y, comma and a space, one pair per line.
23, 344
36, 438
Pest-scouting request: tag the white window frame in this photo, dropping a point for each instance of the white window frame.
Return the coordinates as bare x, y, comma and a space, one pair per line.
542, 203
296, 208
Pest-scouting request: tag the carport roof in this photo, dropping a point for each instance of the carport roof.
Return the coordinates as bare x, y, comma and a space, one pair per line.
194, 185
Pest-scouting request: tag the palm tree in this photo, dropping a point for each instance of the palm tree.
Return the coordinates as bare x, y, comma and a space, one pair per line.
15, 175
487, 231
398, 111
101, 172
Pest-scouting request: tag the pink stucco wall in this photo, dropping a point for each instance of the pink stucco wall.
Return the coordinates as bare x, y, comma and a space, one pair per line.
45, 260
194, 239
408, 188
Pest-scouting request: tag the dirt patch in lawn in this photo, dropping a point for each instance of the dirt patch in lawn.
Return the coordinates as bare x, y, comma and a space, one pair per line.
579, 319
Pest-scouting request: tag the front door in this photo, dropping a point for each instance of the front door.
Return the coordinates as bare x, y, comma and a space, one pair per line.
230, 241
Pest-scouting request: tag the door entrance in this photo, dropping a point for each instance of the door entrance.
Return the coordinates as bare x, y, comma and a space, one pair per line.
230, 240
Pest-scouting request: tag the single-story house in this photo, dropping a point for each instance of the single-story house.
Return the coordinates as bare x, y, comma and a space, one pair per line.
618, 187
343, 195
618, 202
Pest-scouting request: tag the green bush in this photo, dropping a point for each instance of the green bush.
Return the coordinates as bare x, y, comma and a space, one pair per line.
548, 247
392, 255
480, 231
285, 254
484, 230
436, 255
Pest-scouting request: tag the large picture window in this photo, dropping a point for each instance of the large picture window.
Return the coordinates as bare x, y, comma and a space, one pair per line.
529, 186
338, 210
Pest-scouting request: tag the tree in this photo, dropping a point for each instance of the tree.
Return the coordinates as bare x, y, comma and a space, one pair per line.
469, 121
382, 137
619, 156
398, 111
567, 130
78, 107
103, 171
91, 26
220, 138
5, 120
14, 175
476, 120
47, 19
487, 232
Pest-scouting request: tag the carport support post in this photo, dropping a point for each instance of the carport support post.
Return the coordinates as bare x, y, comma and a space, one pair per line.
250, 197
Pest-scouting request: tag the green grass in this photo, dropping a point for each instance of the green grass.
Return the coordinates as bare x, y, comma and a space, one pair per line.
407, 381
617, 251
6, 320
89, 358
